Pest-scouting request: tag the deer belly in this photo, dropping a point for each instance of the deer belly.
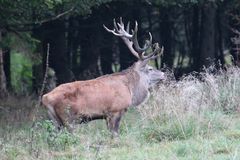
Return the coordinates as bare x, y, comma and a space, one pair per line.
99, 105
89, 107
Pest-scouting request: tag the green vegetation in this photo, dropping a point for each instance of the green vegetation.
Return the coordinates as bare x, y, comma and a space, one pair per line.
21, 73
188, 119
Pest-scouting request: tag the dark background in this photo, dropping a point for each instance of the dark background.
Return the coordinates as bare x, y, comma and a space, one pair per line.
194, 33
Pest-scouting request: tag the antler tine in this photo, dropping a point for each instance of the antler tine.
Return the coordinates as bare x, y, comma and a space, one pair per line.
121, 23
117, 31
135, 41
128, 27
148, 44
121, 29
157, 52
131, 39
115, 24
111, 31
123, 34
150, 39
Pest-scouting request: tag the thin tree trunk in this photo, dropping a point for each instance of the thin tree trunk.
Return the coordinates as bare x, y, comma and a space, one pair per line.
106, 53
219, 36
3, 88
58, 58
166, 37
126, 58
150, 29
6, 66
195, 36
208, 34
90, 50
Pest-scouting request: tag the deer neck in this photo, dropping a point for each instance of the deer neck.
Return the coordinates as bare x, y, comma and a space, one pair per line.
138, 86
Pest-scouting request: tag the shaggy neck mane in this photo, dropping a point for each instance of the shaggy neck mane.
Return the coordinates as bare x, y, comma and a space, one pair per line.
137, 86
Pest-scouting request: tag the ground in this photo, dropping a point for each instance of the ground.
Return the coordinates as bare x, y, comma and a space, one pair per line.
137, 140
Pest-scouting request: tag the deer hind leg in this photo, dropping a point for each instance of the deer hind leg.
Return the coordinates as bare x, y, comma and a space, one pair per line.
65, 116
53, 116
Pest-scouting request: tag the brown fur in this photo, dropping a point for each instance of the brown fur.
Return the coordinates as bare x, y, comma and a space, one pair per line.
106, 97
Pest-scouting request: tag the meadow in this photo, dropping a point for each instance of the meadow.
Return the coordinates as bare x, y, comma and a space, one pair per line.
194, 118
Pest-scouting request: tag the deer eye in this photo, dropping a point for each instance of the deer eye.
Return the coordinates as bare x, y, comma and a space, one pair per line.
150, 69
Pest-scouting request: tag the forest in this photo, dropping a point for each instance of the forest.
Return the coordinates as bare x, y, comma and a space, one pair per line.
194, 34
194, 114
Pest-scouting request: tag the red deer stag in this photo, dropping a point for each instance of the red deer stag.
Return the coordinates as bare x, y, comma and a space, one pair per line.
107, 97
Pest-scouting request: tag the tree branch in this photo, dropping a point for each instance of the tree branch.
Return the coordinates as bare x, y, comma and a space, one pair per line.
29, 26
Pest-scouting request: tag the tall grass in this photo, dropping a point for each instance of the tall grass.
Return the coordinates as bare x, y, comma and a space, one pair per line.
193, 106
193, 118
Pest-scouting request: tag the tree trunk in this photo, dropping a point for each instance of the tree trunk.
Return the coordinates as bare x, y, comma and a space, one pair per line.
150, 29
74, 45
90, 51
207, 46
195, 48
106, 53
166, 37
37, 72
219, 36
3, 88
58, 58
7, 66
234, 23
126, 57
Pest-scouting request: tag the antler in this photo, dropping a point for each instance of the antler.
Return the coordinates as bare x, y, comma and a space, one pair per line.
131, 40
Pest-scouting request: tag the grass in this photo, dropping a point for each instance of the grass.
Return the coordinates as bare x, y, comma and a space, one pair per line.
190, 119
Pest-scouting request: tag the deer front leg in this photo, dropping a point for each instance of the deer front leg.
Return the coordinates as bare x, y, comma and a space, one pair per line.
65, 116
53, 116
113, 122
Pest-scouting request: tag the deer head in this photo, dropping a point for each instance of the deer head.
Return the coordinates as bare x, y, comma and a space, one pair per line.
147, 72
